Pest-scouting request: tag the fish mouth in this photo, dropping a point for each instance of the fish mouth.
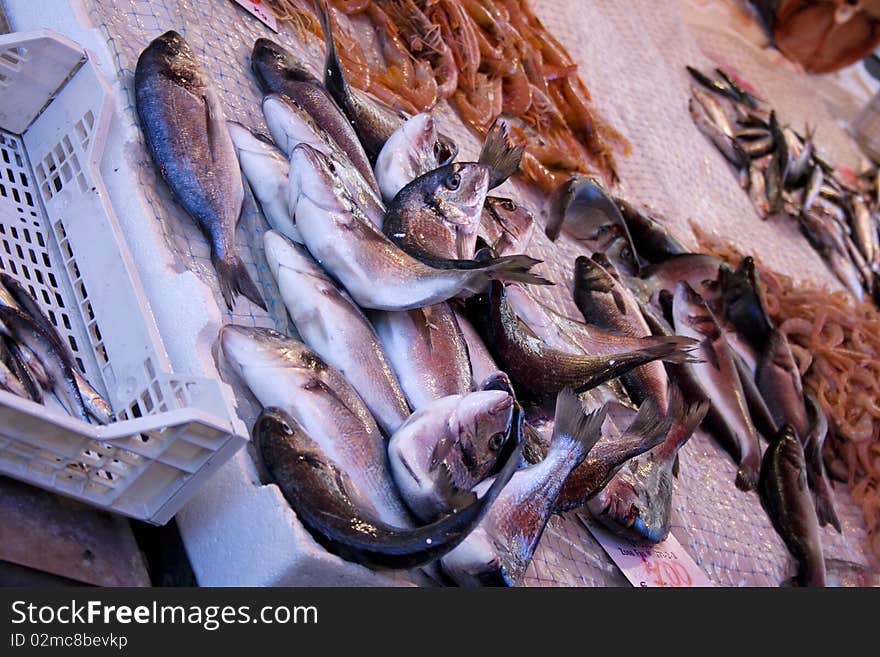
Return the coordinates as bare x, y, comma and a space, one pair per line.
313, 177
445, 150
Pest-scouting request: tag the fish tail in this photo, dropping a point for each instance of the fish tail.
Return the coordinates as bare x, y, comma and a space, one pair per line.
500, 154
234, 280
647, 430
819, 484
749, 470
334, 76
515, 268
685, 418
825, 511
679, 347
574, 428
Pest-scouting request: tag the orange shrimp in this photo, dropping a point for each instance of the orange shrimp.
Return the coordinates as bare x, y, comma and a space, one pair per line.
517, 92
459, 33
477, 108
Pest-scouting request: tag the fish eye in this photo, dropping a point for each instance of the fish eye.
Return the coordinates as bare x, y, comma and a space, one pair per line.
509, 204
331, 166
495, 442
453, 181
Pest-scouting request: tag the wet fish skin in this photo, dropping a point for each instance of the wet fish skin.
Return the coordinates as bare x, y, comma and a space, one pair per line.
481, 361
863, 228
786, 498
742, 303
437, 215
717, 379
500, 549
798, 168
8, 380
727, 146
411, 151
698, 269
817, 477
284, 373
278, 72
780, 384
714, 111
17, 366
758, 191
336, 329
506, 226
266, 169
185, 132
650, 238
376, 273
427, 351
455, 439
814, 185
325, 499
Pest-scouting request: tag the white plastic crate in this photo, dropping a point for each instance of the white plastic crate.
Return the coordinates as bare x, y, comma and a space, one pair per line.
59, 237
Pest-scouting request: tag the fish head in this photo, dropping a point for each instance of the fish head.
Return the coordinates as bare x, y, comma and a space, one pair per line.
314, 177
248, 347
689, 309
290, 124
408, 154
271, 62
513, 217
455, 191
480, 424
445, 150
253, 148
301, 273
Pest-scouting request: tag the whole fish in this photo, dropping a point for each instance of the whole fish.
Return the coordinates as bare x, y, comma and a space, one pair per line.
375, 272
817, 477
651, 239
186, 134
779, 382
499, 550
799, 166
57, 363
757, 148
716, 86
266, 169
543, 371
15, 362
758, 191
637, 502
336, 329
290, 126
714, 110
740, 94
812, 189
326, 498
481, 361
506, 226
718, 381
284, 373
278, 72
699, 270
742, 302
454, 439
726, 145
427, 351
786, 498
864, 229
8, 380
437, 215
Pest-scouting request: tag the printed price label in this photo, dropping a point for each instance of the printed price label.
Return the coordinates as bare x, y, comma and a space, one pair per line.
649, 564
261, 11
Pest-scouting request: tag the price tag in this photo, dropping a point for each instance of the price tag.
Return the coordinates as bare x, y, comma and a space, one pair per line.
649, 564
259, 9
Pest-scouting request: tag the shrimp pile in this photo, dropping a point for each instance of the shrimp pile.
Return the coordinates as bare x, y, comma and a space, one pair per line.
488, 58
836, 341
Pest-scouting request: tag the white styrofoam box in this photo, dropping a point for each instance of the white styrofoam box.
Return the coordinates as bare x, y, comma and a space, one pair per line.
60, 238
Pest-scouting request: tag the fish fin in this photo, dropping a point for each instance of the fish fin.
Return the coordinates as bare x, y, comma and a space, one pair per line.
680, 348
649, 423
825, 511
458, 499
685, 417
441, 449
515, 268
334, 76
234, 280
573, 424
500, 154
747, 476
707, 349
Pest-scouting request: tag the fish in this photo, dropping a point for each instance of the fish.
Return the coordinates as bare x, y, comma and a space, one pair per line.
56, 363
741, 95
817, 477
95, 404
284, 373
327, 501
336, 329
481, 361
499, 550
427, 351
757, 148
799, 167
543, 371
14, 360
758, 191
717, 381
698, 269
779, 382
786, 498
374, 271
743, 305
839, 573
728, 147
185, 132
266, 169
505, 226
864, 229
637, 502
651, 239
437, 215
714, 111
278, 72
290, 125
8, 380
588, 214
812, 188
716, 86
453, 439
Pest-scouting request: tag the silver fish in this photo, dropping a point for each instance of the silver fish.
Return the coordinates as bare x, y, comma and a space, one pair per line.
864, 229
336, 329
8, 380
481, 361
714, 110
758, 191
427, 352
266, 169
817, 477
374, 271
499, 550
728, 147
811, 191
453, 439
185, 132
284, 373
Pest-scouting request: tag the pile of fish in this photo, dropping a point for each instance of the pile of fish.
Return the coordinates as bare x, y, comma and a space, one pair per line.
784, 174
431, 408
35, 360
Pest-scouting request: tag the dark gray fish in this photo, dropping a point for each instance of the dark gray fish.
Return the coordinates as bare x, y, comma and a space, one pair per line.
780, 384
278, 72
375, 271
817, 477
757, 148
325, 499
437, 215
427, 351
741, 95
714, 110
506, 226
812, 188
455, 439
18, 367
761, 416
543, 371
637, 502
730, 148
742, 302
499, 550
786, 498
651, 239
799, 165
8, 380
57, 363
186, 134
717, 380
